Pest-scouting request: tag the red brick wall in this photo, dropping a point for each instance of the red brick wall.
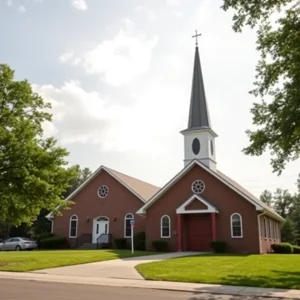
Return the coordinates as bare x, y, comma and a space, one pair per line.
217, 193
196, 205
88, 204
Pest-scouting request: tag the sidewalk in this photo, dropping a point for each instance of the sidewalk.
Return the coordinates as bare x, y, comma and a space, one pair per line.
112, 269
163, 285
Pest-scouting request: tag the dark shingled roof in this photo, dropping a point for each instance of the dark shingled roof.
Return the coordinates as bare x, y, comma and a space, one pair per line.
198, 117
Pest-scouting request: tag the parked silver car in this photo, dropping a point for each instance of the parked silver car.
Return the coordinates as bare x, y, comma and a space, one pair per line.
17, 244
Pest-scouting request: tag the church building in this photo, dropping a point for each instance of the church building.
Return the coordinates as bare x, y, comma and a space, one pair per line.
197, 206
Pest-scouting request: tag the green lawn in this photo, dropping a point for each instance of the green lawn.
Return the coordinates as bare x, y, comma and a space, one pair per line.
281, 271
21, 261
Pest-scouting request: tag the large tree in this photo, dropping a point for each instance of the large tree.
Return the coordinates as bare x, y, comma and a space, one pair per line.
277, 84
33, 169
81, 176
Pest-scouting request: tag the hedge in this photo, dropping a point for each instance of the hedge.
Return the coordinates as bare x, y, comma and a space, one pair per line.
140, 241
55, 242
296, 249
284, 248
219, 246
43, 236
121, 243
160, 245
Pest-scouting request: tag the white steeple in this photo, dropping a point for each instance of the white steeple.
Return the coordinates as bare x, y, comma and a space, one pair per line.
199, 138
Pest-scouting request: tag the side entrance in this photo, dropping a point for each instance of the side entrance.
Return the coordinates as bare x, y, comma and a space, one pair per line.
100, 226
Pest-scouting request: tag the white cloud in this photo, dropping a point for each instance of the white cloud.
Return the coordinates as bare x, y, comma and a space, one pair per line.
176, 3
78, 115
79, 4
21, 9
118, 61
148, 12
9, 3
66, 57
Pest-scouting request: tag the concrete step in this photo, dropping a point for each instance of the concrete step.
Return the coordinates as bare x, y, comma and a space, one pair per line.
87, 246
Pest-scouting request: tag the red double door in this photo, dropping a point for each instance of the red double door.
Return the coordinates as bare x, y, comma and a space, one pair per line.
198, 231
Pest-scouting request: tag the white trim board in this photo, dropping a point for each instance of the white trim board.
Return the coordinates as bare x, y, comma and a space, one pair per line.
84, 184
182, 208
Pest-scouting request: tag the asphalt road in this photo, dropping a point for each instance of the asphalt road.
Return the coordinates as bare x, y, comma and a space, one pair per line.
34, 290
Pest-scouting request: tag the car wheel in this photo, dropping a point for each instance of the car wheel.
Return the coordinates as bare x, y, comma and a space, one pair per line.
18, 248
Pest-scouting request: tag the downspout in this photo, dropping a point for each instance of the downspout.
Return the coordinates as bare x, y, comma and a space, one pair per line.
259, 231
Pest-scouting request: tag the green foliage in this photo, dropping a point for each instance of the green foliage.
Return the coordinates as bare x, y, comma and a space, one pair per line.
55, 242
288, 206
277, 76
219, 246
81, 176
282, 248
296, 249
266, 197
121, 243
33, 172
160, 245
289, 231
43, 236
140, 241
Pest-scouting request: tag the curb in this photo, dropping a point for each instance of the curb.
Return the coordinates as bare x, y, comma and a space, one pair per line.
156, 285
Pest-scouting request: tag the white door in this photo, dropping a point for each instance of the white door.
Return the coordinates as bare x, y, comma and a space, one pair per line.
100, 226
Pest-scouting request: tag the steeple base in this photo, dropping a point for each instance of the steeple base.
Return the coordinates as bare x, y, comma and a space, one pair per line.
211, 164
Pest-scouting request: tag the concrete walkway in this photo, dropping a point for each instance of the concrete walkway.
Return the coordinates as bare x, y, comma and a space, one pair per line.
114, 269
162, 285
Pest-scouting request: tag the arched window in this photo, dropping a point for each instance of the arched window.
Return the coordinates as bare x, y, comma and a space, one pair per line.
165, 226
127, 225
73, 226
236, 226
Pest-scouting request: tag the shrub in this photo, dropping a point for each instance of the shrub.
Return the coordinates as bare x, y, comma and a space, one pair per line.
121, 243
140, 241
282, 248
296, 249
55, 242
219, 246
160, 245
43, 236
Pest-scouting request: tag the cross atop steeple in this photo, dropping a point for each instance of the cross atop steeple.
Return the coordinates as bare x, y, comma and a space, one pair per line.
199, 138
196, 36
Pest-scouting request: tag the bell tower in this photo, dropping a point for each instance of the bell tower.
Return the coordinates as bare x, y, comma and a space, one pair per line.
199, 138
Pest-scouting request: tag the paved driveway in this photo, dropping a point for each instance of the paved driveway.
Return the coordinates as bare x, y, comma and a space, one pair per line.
117, 268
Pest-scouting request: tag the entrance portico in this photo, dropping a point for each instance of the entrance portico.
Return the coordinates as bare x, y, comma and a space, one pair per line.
196, 224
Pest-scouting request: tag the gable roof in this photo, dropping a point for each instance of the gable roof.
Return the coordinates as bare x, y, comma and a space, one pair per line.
259, 205
141, 189
144, 189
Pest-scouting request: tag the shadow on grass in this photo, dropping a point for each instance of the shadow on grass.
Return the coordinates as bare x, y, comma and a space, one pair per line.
281, 280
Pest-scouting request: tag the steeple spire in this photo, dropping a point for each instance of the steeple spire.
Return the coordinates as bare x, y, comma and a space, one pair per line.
199, 138
199, 116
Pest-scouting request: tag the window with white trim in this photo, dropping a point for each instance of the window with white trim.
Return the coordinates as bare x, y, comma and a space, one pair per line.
127, 225
265, 228
73, 226
165, 226
271, 229
236, 226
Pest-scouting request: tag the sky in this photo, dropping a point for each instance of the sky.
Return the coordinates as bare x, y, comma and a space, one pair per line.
118, 75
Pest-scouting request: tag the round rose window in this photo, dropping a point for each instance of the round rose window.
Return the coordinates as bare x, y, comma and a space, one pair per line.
103, 191
198, 186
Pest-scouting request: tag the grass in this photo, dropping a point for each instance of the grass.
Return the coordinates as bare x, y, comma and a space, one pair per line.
22, 261
273, 271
